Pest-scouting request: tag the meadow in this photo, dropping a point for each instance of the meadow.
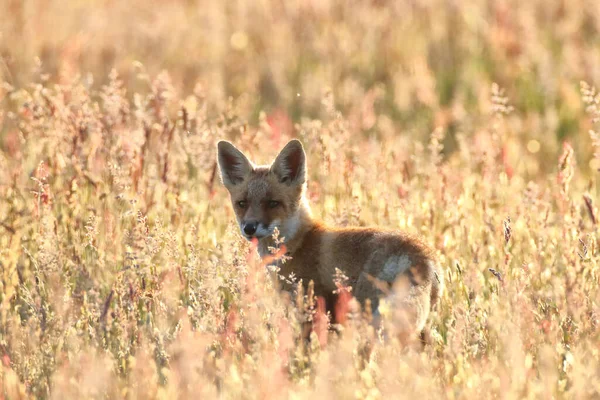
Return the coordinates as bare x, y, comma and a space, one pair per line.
475, 124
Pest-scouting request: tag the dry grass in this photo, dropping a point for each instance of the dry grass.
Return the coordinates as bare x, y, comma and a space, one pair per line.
123, 275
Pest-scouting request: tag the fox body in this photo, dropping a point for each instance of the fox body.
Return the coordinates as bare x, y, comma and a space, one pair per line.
378, 262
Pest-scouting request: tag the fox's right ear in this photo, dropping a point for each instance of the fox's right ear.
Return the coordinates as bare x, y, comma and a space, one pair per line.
233, 164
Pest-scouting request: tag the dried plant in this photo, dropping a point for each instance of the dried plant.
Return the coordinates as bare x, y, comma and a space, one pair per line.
122, 274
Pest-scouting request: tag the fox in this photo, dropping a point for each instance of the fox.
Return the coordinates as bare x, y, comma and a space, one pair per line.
379, 263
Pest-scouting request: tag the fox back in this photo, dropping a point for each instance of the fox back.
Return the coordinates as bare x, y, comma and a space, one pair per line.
378, 262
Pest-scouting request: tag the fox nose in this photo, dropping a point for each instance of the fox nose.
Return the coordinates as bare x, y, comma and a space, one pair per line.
250, 227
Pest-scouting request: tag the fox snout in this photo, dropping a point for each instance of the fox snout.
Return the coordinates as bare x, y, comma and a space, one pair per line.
249, 227
255, 229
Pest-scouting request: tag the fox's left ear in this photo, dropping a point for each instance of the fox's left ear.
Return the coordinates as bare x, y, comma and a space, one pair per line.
290, 164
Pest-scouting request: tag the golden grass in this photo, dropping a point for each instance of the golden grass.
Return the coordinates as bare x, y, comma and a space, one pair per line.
122, 274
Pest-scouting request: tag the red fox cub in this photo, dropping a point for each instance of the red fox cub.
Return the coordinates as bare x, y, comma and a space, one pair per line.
378, 262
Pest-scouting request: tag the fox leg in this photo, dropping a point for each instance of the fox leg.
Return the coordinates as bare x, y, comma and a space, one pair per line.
406, 305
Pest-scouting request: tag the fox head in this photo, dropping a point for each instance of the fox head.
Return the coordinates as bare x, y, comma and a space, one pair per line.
266, 197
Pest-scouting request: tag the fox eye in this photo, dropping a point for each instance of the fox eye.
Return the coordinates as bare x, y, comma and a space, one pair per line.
273, 203
242, 203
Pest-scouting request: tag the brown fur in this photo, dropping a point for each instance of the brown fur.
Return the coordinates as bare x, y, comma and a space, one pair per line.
378, 262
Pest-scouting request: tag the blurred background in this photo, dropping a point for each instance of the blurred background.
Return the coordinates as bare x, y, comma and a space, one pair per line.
471, 123
392, 67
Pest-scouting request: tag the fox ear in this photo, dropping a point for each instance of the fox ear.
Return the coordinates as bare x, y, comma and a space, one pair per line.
233, 164
290, 164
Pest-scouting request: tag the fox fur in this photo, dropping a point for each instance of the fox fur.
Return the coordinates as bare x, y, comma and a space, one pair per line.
378, 262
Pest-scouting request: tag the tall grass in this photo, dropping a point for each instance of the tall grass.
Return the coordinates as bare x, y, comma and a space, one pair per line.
122, 273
